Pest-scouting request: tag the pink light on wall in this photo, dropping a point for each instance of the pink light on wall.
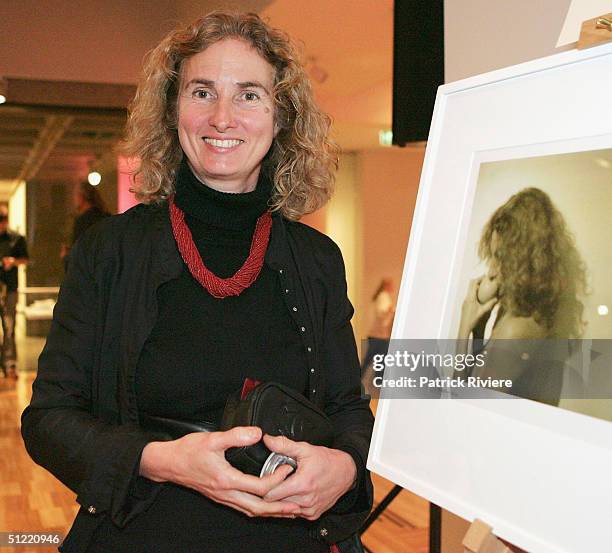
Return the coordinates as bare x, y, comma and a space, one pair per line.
125, 181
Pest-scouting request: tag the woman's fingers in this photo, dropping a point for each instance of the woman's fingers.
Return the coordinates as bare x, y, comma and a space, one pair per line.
488, 306
236, 437
473, 288
323, 475
280, 473
237, 480
285, 446
295, 487
253, 506
300, 500
271, 481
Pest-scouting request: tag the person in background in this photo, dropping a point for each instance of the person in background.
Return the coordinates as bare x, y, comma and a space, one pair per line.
380, 332
14, 252
90, 208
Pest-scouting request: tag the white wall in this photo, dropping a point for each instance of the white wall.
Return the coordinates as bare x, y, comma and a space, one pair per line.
343, 225
482, 35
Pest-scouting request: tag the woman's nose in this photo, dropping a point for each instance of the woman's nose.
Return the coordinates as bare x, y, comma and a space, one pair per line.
222, 115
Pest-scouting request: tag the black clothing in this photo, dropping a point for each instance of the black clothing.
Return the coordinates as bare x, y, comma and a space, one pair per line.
82, 423
85, 220
220, 210
11, 245
250, 335
200, 350
8, 314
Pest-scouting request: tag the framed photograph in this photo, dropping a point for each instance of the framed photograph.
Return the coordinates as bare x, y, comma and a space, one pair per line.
517, 182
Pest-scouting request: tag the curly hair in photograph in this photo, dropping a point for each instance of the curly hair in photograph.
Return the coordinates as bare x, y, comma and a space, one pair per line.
541, 272
302, 159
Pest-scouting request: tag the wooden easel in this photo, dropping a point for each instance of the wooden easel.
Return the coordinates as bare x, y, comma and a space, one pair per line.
480, 539
595, 31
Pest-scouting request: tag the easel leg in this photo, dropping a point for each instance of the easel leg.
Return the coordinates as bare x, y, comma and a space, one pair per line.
380, 508
435, 528
480, 539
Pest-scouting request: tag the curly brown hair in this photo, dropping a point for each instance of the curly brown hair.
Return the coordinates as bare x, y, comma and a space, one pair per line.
302, 159
541, 273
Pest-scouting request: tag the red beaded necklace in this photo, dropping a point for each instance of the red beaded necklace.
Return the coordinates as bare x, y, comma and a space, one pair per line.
216, 286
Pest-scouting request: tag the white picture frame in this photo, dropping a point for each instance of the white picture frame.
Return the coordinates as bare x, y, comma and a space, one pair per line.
539, 475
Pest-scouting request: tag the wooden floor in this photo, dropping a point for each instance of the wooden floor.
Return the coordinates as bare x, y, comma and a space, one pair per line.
31, 500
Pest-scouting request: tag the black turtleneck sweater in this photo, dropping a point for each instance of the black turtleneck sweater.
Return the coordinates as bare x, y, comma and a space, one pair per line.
200, 351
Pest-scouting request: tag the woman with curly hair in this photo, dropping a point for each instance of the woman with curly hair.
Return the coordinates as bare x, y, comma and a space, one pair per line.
536, 277
168, 308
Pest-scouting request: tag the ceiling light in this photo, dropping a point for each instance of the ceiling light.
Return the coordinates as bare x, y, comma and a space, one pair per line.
602, 310
94, 178
2, 98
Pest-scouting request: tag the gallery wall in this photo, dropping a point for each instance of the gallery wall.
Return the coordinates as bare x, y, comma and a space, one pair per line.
91, 41
370, 217
343, 225
481, 35
390, 180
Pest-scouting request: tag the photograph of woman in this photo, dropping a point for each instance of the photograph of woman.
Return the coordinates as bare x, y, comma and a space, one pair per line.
167, 308
531, 292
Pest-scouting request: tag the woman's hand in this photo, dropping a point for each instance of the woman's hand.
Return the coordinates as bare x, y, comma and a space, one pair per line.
197, 461
322, 477
472, 311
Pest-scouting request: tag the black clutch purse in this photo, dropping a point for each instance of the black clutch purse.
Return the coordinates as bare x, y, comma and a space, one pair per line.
278, 411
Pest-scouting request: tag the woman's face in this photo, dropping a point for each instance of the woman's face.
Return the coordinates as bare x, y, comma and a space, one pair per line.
226, 114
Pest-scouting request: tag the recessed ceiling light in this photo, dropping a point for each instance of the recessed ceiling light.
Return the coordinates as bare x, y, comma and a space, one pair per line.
94, 178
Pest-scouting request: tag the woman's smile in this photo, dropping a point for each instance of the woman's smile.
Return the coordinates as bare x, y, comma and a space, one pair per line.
221, 145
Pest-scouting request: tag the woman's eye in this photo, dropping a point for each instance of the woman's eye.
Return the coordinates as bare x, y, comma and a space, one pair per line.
202, 94
250, 96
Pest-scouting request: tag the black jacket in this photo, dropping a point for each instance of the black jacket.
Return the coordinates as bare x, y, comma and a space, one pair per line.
82, 423
85, 220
